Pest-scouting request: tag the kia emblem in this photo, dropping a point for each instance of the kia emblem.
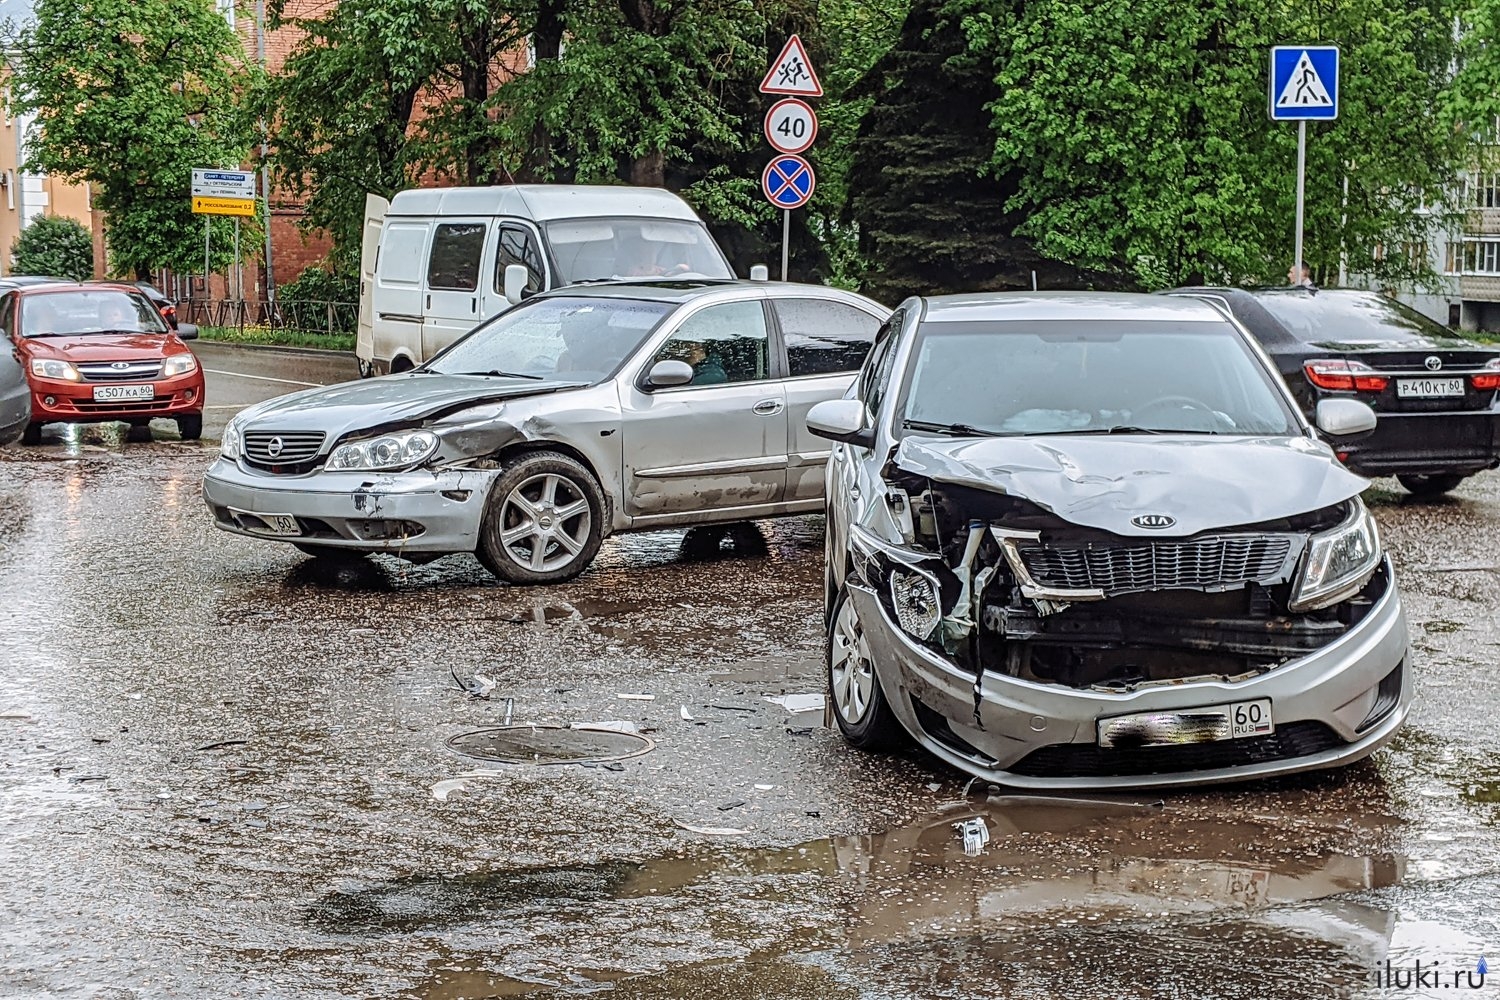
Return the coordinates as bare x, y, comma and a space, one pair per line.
1153, 521
1433, 363
120, 365
273, 447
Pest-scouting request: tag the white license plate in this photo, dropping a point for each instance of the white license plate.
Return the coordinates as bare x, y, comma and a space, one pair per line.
107, 393
275, 524
1235, 721
1428, 388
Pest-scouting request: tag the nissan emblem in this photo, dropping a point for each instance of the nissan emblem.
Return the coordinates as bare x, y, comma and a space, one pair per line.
273, 447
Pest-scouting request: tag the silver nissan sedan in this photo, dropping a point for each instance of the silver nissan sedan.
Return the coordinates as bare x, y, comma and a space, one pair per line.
580, 412
1086, 540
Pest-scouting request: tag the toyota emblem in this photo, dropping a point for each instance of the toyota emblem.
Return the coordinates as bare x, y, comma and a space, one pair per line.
120, 365
1433, 363
273, 447
1153, 521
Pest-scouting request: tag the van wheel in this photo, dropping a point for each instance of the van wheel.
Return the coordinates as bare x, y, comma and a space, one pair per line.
366, 368
859, 706
543, 520
1431, 486
399, 365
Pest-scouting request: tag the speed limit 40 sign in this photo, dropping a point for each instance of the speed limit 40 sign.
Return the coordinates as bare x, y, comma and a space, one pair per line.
791, 126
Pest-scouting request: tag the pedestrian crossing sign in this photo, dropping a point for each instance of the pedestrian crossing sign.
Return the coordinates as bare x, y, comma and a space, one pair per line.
1304, 83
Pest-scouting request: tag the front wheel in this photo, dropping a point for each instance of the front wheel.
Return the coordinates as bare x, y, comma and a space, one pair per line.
859, 706
190, 426
1431, 486
543, 520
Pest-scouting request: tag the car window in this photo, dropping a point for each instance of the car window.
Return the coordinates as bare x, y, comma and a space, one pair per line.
823, 336
573, 338
876, 375
1057, 377
723, 343
453, 263
518, 246
1349, 317
8, 315
85, 312
400, 260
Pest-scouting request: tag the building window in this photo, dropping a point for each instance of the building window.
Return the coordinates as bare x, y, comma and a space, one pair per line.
1476, 257
226, 7
1483, 189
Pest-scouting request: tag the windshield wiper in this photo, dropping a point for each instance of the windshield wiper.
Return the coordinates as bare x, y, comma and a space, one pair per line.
953, 430
1123, 429
495, 372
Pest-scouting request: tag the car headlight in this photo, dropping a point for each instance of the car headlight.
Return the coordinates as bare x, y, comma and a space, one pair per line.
48, 368
1339, 562
178, 364
915, 600
230, 442
388, 451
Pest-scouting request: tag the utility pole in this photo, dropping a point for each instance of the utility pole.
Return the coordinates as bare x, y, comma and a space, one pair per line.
265, 172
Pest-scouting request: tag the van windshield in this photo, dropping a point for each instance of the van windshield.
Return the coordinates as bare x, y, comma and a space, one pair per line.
603, 249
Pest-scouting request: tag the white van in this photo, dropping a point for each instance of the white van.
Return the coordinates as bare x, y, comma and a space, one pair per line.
436, 261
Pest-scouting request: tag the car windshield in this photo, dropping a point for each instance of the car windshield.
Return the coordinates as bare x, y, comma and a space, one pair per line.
597, 249
1348, 317
80, 313
1057, 377
572, 338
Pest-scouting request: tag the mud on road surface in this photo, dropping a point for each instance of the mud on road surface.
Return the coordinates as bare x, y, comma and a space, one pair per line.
226, 770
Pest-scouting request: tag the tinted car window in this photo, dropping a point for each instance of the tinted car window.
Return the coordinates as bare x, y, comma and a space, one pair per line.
876, 375
1059, 378
454, 261
8, 315
1347, 317
724, 343
823, 336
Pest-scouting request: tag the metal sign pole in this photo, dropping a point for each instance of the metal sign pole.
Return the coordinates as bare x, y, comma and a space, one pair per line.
239, 275
1301, 177
207, 221
786, 236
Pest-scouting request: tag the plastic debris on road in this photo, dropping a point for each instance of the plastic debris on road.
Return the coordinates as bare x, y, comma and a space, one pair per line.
975, 834
625, 696
797, 703
459, 783
686, 715
612, 725
710, 831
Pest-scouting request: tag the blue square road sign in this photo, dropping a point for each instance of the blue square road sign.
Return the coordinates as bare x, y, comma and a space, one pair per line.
1304, 83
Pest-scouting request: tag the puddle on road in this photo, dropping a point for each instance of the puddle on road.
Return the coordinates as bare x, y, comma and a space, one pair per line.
1063, 885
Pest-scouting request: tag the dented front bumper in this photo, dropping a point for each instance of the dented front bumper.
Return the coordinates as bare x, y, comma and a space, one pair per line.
1331, 706
418, 511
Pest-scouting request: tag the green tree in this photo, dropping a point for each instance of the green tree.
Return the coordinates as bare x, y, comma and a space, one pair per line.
56, 246
130, 96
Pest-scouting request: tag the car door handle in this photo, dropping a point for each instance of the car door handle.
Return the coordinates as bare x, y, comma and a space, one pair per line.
768, 407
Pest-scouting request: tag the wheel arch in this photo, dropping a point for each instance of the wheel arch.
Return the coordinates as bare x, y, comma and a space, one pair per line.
520, 449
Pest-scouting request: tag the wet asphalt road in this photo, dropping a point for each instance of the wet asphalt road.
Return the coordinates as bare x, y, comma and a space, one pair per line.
220, 770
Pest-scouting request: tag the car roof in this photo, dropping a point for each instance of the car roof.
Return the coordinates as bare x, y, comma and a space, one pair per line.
543, 202
678, 291
23, 280
1032, 306
64, 285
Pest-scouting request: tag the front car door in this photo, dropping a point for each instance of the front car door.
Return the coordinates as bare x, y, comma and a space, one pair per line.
826, 340
515, 243
15, 394
455, 260
718, 443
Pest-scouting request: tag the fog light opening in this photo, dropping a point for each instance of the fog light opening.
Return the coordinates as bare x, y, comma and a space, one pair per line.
49, 400
459, 495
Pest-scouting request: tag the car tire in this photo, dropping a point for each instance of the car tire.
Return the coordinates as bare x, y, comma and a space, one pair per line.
1430, 485
329, 552
854, 693
366, 368
190, 426
32, 435
543, 520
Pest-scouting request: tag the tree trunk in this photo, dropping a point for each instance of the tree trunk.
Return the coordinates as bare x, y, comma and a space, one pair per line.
650, 170
547, 41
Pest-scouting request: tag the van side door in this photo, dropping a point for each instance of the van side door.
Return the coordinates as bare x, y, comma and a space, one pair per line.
451, 292
396, 326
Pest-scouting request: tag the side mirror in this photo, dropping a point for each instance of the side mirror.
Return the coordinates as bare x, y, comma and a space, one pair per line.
186, 331
665, 374
516, 277
1344, 418
841, 420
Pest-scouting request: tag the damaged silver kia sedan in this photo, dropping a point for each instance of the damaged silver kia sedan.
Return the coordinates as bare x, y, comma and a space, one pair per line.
1088, 540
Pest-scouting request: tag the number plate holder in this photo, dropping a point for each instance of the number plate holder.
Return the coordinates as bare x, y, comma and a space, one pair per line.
1234, 721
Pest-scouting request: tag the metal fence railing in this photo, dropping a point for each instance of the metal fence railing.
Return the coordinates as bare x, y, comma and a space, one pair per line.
302, 316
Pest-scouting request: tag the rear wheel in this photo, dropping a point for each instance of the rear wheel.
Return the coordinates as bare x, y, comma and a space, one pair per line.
543, 520
32, 435
859, 706
190, 426
366, 368
1431, 486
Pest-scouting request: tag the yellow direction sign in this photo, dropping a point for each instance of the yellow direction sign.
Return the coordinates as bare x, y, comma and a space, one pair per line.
203, 205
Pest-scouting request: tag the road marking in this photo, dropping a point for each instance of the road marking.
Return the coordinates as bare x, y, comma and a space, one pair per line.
263, 378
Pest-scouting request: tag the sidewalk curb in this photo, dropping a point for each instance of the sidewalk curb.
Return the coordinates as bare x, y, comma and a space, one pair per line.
317, 352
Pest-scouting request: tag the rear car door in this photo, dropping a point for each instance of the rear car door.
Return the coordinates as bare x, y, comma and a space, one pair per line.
369, 253
825, 341
15, 394
455, 259
719, 442
397, 301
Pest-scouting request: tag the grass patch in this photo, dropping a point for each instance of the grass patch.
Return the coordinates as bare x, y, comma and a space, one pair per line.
275, 337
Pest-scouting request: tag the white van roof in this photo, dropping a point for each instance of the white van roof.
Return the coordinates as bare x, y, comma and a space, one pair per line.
542, 202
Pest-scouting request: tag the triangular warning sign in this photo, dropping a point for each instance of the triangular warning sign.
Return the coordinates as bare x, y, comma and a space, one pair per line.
792, 73
1304, 88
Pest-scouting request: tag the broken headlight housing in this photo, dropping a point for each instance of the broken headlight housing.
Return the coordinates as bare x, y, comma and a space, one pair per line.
388, 451
910, 580
1339, 562
914, 596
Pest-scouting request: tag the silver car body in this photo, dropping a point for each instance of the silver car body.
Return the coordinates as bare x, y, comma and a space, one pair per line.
671, 456
1046, 735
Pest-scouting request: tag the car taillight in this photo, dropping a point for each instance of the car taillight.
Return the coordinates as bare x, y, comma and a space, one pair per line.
1490, 377
1348, 376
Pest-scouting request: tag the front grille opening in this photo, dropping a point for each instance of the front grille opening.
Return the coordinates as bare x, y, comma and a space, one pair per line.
1387, 695
1086, 760
282, 450
382, 530
1210, 562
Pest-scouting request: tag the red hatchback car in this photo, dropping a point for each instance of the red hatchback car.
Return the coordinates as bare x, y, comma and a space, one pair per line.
101, 352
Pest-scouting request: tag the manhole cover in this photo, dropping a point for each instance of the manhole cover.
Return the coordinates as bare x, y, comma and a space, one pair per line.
549, 744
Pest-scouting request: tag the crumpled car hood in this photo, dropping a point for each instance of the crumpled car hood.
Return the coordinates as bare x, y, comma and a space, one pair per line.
410, 396
1103, 482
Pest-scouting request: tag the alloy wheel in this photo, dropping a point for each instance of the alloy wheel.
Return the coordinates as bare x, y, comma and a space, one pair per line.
851, 677
545, 522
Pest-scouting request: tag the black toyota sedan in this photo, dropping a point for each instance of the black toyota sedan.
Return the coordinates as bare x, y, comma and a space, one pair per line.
1434, 391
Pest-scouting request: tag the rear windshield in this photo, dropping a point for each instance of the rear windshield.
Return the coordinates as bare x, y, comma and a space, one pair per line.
1023, 378
1348, 317
597, 249
88, 311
